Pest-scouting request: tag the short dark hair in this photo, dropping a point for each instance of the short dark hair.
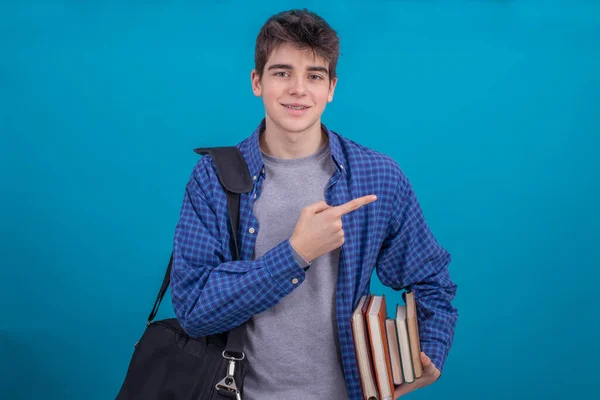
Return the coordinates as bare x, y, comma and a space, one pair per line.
302, 28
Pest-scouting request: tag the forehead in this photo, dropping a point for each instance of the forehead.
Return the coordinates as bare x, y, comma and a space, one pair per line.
289, 54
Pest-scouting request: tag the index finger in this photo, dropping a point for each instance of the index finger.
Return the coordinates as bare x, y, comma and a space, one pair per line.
352, 205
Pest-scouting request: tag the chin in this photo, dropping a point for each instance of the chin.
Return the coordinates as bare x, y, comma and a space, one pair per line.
295, 124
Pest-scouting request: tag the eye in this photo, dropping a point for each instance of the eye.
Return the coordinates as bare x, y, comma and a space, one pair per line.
315, 77
281, 74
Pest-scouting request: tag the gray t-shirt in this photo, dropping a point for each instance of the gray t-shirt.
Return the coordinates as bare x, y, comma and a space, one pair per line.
293, 348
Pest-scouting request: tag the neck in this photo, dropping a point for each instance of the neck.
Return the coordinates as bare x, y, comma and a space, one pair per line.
279, 143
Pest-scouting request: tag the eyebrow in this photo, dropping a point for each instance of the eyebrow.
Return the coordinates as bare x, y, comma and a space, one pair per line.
312, 68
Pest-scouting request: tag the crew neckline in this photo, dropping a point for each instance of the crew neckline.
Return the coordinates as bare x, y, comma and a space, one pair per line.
316, 156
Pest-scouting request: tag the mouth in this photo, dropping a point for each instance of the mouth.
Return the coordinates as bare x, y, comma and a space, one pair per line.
295, 108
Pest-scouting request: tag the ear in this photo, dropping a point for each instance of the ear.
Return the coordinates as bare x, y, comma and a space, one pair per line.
331, 89
255, 79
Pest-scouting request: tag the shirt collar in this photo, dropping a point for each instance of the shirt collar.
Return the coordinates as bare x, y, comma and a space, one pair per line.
252, 153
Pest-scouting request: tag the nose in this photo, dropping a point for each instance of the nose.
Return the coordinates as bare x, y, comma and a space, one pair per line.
297, 86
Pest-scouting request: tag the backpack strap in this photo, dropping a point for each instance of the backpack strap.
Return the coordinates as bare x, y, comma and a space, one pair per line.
235, 178
231, 168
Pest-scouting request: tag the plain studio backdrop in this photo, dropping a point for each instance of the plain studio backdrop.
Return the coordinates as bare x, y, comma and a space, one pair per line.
491, 108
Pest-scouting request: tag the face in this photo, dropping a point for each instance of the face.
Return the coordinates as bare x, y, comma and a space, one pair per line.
295, 88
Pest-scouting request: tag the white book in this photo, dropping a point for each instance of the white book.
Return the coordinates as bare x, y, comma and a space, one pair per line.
392, 337
403, 344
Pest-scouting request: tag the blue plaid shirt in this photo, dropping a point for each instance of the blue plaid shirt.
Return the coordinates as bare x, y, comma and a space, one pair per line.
211, 293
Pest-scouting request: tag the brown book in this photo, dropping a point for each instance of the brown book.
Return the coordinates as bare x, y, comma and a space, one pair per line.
363, 350
413, 333
376, 316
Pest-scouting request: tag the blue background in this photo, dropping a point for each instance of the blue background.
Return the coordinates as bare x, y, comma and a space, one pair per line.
490, 107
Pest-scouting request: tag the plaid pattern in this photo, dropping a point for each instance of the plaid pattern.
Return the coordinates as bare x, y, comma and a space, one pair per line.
211, 293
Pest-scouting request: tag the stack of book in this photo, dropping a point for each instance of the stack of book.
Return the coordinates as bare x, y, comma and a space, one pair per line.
388, 350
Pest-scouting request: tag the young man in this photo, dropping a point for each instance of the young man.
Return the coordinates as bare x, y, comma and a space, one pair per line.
311, 234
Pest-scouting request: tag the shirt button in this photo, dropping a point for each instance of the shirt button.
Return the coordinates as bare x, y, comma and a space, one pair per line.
295, 281
341, 166
254, 195
251, 230
254, 177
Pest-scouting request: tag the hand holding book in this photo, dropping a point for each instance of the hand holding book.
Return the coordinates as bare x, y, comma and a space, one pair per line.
430, 375
389, 356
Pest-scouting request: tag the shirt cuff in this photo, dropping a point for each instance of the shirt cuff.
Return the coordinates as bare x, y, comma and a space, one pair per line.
301, 260
284, 268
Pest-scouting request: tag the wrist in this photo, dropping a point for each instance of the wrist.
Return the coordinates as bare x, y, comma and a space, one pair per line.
298, 248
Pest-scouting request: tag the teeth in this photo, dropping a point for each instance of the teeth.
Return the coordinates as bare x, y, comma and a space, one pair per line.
296, 107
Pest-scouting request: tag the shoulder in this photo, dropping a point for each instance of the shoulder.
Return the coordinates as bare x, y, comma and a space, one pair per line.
205, 174
370, 164
204, 179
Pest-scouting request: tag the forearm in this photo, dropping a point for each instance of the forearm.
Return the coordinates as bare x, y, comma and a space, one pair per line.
412, 259
209, 299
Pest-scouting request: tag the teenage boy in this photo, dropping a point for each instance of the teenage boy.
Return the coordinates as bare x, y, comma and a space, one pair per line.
311, 234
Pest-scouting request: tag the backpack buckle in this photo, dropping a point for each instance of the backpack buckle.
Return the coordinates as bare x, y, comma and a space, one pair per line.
228, 383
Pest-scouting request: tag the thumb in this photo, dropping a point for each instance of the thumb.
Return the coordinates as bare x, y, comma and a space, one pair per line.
429, 367
425, 361
318, 207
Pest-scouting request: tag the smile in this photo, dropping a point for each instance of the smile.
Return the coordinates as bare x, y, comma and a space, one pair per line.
295, 107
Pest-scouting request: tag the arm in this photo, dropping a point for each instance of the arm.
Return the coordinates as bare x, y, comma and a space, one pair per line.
209, 294
411, 259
